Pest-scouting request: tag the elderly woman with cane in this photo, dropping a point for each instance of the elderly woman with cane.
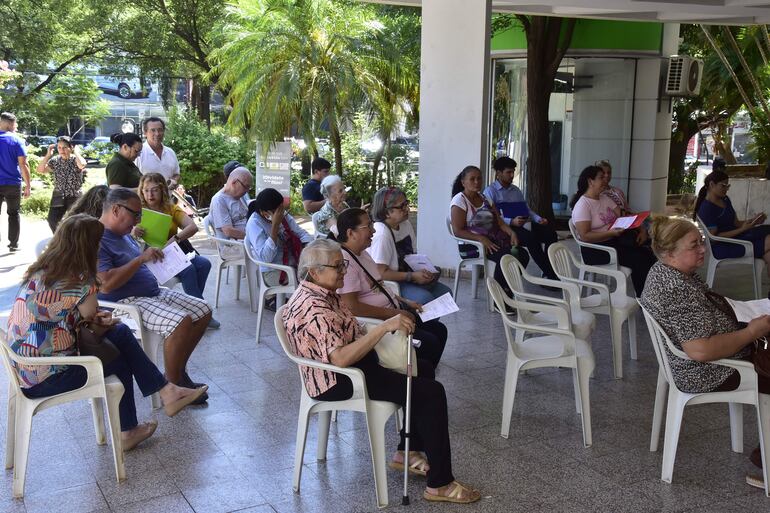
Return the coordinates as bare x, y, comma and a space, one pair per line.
322, 328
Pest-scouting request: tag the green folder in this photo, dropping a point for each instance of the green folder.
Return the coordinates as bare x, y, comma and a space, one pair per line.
156, 227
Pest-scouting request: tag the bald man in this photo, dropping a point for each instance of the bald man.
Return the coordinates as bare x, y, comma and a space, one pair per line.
227, 211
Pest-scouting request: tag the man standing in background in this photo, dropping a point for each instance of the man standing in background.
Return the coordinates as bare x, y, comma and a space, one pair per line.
155, 157
13, 169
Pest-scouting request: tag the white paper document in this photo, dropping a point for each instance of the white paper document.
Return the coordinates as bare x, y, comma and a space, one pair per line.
623, 222
419, 262
442, 305
745, 311
174, 261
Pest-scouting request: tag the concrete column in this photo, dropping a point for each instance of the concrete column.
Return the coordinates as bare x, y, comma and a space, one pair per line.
454, 83
651, 134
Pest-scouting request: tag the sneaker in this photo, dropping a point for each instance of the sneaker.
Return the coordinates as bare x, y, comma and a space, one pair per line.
214, 324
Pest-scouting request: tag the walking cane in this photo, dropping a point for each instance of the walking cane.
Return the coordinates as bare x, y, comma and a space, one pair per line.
407, 419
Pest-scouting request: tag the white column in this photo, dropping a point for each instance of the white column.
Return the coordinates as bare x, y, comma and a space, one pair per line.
454, 83
651, 135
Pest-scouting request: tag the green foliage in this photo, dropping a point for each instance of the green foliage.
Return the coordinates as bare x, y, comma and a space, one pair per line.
102, 151
203, 153
410, 189
37, 204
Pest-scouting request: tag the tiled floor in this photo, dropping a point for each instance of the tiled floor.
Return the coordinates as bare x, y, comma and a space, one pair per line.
236, 454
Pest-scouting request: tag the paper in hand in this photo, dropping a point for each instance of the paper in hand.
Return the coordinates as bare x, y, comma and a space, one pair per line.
746, 311
629, 222
442, 305
174, 261
419, 262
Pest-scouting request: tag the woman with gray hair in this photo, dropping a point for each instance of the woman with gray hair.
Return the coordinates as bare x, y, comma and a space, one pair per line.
322, 328
335, 192
394, 239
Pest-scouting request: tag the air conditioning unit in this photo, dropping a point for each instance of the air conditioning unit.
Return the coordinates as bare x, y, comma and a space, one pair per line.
684, 76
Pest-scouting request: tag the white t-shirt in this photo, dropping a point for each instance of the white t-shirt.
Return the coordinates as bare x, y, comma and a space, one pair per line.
459, 200
601, 212
148, 162
383, 248
227, 211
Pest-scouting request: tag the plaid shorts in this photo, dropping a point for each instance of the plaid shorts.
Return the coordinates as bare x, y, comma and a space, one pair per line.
164, 312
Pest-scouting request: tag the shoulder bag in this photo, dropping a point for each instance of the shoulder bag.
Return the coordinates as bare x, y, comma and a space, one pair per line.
92, 344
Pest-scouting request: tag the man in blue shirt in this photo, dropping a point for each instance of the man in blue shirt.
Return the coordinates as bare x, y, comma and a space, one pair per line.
13, 168
513, 206
124, 277
312, 198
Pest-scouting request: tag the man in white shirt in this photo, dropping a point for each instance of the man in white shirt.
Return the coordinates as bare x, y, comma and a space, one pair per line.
155, 157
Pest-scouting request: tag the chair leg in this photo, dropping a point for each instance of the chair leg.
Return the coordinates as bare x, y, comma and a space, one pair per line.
512, 368
763, 420
489, 270
334, 415
576, 390
97, 410
324, 419
23, 433
616, 325
219, 283
375, 422
674, 414
299, 451
475, 281
261, 309
657, 411
583, 371
238, 282
758, 268
114, 394
736, 426
632, 336
457, 280
10, 430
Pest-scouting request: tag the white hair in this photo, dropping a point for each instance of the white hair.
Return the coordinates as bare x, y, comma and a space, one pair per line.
239, 172
327, 184
316, 254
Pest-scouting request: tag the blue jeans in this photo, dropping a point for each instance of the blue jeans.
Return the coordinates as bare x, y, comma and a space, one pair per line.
194, 277
423, 293
132, 363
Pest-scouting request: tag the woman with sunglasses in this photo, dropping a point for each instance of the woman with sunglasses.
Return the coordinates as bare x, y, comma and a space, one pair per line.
67, 169
715, 210
393, 240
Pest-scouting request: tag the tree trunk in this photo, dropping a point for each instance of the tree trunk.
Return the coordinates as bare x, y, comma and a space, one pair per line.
376, 168
204, 104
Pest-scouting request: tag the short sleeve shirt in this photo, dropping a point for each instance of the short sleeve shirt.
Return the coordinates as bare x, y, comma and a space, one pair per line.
67, 176
600, 212
714, 216
312, 191
149, 162
11, 148
327, 212
121, 171
357, 281
317, 323
227, 211
617, 196
42, 323
177, 219
116, 251
695, 315
383, 249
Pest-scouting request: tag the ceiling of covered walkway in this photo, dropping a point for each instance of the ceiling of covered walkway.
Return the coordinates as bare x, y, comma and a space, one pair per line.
717, 12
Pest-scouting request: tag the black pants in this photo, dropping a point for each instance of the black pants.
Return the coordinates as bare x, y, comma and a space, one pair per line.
59, 206
429, 431
638, 258
537, 241
11, 194
433, 335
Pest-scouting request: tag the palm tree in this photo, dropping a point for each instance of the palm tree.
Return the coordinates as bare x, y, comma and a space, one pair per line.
293, 63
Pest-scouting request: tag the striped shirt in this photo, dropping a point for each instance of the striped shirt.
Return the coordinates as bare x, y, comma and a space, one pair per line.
316, 324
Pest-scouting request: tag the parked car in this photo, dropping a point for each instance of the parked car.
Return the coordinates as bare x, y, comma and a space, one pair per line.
123, 87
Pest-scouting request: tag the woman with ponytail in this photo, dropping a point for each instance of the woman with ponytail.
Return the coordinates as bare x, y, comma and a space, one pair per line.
593, 213
121, 171
717, 213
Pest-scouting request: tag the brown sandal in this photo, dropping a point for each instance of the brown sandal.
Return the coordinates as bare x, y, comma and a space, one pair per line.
417, 467
456, 494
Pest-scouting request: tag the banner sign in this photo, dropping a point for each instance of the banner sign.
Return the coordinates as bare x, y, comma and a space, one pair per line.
274, 169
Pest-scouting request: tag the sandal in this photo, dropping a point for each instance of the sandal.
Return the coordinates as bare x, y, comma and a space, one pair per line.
755, 481
417, 467
460, 494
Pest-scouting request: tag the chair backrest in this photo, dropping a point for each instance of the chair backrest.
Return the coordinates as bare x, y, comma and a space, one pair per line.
9, 358
576, 236
659, 342
562, 260
208, 227
708, 235
41, 245
283, 338
316, 226
512, 270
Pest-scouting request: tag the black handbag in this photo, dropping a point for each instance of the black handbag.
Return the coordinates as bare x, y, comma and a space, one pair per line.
91, 344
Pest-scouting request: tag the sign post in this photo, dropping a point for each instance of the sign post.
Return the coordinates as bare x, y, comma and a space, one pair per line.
274, 169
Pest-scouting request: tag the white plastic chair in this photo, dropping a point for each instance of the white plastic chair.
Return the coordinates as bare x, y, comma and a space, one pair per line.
316, 226
748, 258
617, 304
225, 260
554, 347
582, 322
611, 252
256, 280
474, 263
21, 409
746, 393
377, 414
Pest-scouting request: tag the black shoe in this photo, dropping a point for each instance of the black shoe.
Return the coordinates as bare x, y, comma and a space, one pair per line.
756, 457
12, 248
270, 304
187, 382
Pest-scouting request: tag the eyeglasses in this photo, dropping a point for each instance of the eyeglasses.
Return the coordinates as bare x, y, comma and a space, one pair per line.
370, 226
137, 215
402, 206
245, 187
697, 244
341, 267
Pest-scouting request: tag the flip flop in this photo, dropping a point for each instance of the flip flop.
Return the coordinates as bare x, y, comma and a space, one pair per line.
417, 467
471, 495
172, 409
130, 443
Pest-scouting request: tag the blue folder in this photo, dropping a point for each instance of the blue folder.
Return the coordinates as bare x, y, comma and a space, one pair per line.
515, 209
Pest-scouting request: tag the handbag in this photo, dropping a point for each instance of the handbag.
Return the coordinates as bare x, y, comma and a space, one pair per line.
91, 344
391, 351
